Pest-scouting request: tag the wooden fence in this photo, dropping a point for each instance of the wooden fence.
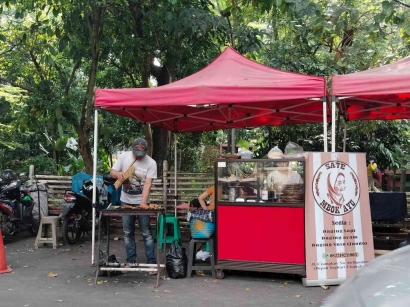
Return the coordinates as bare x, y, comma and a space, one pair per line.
189, 185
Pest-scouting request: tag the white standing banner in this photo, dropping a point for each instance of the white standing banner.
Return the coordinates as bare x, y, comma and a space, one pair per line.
338, 228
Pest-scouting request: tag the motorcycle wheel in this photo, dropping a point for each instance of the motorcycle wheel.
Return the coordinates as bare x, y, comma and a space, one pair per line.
34, 228
72, 230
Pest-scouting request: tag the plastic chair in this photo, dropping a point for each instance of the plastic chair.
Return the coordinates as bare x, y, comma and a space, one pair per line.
173, 229
47, 221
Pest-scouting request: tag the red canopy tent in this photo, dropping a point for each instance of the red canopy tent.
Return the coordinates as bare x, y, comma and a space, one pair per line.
231, 92
381, 93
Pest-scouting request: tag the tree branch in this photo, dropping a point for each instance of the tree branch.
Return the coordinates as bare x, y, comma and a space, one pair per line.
70, 81
36, 64
406, 5
60, 73
17, 85
125, 71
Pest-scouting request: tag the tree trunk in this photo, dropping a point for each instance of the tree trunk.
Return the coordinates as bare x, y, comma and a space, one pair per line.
403, 180
95, 27
161, 146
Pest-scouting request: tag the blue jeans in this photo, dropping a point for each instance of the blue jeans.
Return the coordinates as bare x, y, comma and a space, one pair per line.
128, 226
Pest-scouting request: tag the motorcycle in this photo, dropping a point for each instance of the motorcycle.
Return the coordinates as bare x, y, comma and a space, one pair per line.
77, 209
16, 209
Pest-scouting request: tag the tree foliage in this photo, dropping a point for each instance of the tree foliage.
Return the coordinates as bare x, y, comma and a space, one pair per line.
54, 54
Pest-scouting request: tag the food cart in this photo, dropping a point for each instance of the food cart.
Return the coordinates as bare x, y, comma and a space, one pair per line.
260, 215
307, 215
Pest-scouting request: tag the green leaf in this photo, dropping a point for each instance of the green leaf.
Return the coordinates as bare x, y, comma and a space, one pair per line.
279, 3
4, 107
243, 144
61, 143
59, 114
63, 43
3, 38
59, 127
49, 60
52, 50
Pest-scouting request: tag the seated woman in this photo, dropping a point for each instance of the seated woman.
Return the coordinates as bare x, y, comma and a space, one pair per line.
208, 193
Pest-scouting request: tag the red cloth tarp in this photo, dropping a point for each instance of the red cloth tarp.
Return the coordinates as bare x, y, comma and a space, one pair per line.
381, 93
232, 91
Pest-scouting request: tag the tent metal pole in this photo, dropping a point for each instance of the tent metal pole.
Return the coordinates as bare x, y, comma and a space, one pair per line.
324, 125
333, 123
175, 175
233, 141
94, 184
344, 137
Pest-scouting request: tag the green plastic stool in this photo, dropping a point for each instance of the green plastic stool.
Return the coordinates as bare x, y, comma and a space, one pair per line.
173, 229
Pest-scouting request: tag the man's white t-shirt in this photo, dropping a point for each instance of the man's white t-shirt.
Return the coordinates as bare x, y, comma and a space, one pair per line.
145, 168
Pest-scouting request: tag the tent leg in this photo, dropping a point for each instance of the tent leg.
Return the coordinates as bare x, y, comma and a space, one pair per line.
333, 124
94, 184
233, 141
344, 137
175, 175
324, 125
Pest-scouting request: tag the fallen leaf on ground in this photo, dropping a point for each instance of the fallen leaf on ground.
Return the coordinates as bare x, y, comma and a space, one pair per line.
116, 239
156, 290
272, 280
247, 289
117, 293
99, 282
68, 281
171, 301
167, 291
26, 266
297, 295
51, 274
157, 296
285, 283
215, 280
58, 301
325, 287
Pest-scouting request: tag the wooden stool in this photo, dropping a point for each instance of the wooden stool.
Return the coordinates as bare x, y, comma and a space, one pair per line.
192, 255
47, 221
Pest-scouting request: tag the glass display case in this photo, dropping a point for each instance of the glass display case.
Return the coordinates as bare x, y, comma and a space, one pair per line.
273, 182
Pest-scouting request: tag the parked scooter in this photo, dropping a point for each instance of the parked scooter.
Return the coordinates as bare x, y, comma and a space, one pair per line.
77, 209
16, 206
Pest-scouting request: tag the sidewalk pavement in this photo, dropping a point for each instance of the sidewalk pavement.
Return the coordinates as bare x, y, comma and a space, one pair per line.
65, 277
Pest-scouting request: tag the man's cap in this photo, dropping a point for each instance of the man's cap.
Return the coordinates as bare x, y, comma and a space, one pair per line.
139, 147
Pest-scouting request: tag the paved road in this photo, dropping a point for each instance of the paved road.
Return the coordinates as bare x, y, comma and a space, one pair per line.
29, 285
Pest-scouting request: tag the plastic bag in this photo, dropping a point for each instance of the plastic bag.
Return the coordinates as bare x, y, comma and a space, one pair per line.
176, 261
275, 153
201, 214
202, 255
293, 150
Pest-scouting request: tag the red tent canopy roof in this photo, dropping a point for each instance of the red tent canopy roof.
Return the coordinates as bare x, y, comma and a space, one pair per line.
381, 93
232, 91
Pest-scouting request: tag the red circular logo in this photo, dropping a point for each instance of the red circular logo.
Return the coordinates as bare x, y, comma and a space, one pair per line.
336, 188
